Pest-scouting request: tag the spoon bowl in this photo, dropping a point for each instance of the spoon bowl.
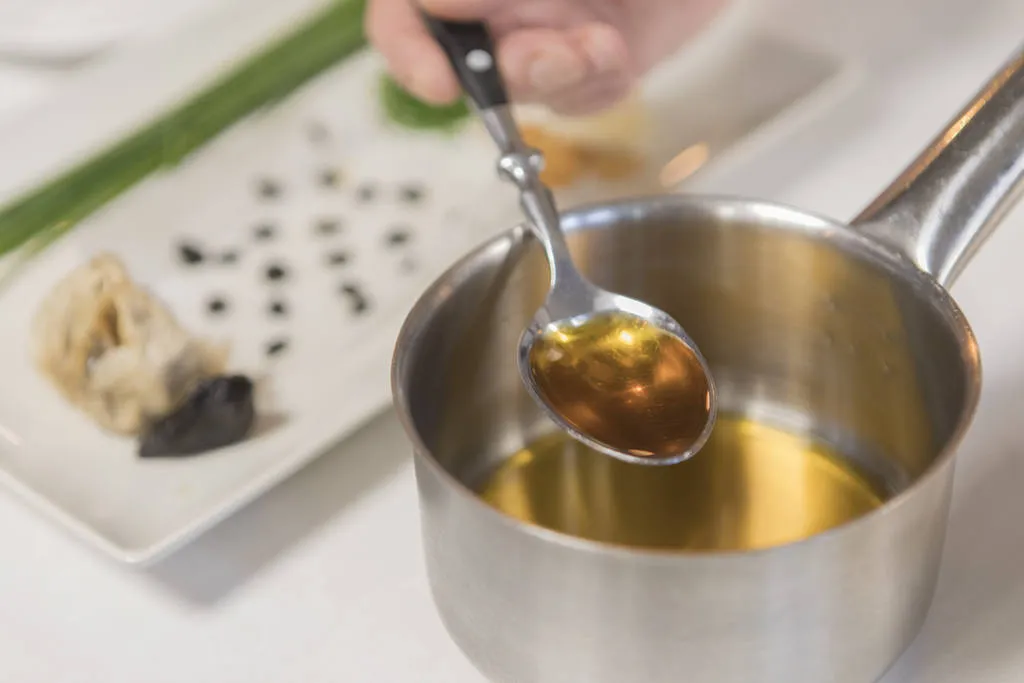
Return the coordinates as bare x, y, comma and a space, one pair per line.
622, 377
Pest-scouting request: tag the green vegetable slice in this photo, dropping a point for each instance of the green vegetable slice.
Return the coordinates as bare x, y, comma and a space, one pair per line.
406, 110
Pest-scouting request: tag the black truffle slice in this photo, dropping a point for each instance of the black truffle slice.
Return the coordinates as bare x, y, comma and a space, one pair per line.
411, 193
398, 236
278, 308
329, 178
220, 412
217, 305
275, 272
328, 226
338, 258
357, 299
263, 232
277, 347
190, 254
269, 189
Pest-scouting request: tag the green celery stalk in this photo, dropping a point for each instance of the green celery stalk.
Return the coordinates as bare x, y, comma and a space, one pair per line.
43, 215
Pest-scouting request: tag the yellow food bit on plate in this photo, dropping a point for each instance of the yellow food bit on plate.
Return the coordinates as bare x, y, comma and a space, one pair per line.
607, 146
566, 162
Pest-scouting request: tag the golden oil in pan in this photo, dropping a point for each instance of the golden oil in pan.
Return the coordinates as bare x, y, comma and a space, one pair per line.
751, 486
625, 383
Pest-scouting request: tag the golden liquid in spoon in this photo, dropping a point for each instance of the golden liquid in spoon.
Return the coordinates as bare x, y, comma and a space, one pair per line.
752, 486
625, 383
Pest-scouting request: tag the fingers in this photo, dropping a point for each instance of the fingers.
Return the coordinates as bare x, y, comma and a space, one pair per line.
539, 62
574, 72
658, 34
414, 59
592, 98
468, 10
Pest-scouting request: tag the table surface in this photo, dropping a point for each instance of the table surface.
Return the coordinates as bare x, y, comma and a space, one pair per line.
322, 579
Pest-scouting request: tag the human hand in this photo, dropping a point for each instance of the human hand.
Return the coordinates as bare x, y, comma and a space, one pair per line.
575, 56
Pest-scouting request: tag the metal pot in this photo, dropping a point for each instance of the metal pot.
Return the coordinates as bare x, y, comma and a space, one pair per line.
843, 332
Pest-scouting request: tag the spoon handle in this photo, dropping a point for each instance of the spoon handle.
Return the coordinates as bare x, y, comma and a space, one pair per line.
470, 50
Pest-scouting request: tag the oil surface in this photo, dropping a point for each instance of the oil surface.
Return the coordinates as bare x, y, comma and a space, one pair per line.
751, 486
625, 383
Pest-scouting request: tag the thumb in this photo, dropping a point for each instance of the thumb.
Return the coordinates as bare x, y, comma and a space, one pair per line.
395, 28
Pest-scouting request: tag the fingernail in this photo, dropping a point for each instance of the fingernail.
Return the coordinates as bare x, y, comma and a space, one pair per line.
553, 70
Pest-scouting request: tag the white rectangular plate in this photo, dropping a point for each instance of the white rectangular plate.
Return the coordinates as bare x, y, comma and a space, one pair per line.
363, 231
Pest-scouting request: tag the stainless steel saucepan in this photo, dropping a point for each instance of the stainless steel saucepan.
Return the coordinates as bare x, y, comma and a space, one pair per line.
840, 332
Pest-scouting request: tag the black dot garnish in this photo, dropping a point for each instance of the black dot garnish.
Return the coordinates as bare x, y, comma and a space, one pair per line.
278, 308
318, 133
330, 178
190, 254
328, 226
276, 272
217, 305
398, 236
411, 194
354, 293
229, 257
263, 232
276, 347
338, 258
366, 193
269, 189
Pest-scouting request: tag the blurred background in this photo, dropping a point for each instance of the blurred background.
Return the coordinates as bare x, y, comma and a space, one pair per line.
266, 128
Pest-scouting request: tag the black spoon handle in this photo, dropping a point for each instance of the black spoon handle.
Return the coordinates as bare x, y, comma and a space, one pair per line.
470, 49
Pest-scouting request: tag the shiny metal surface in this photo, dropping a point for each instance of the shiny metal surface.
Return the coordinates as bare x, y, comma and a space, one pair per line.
828, 330
947, 202
573, 299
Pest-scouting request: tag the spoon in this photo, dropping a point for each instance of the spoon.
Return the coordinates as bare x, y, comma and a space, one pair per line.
617, 374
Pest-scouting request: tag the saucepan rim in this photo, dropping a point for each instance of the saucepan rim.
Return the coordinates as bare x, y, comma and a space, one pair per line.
857, 244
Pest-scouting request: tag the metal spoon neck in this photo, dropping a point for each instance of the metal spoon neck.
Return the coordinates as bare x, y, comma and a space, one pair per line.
520, 165
545, 223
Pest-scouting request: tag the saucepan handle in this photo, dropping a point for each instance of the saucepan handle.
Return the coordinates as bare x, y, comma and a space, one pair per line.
943, 207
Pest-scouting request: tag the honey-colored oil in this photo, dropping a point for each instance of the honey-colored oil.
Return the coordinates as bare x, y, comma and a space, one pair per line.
625, 383
751, 486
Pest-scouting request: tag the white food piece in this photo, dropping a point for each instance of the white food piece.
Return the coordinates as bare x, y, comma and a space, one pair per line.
115, 351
